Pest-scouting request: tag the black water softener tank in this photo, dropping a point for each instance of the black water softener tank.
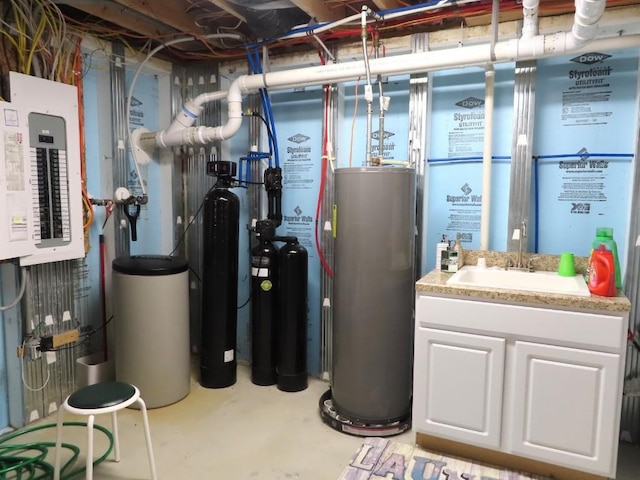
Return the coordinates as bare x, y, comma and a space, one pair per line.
292, 348
264, 306
221, 217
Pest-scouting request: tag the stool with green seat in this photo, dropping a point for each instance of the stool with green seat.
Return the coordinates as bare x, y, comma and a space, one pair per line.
104, 397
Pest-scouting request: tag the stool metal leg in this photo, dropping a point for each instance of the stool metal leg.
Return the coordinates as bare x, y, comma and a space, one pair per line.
89, 463
116, 440
56, 468
147, 436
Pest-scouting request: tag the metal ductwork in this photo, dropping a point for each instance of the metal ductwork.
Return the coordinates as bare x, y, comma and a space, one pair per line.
270, 19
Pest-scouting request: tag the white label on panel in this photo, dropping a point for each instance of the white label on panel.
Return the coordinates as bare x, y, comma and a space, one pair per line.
228, 356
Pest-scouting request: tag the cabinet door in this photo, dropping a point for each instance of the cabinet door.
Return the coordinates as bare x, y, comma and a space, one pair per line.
458, 386
565, 406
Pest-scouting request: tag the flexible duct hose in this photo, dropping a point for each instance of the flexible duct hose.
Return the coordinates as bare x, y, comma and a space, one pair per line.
27, 460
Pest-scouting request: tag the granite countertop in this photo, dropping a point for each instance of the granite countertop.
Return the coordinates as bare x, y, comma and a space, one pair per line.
435, 282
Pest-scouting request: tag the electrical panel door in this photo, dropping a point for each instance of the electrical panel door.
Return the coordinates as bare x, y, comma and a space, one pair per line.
53, 143
16, 211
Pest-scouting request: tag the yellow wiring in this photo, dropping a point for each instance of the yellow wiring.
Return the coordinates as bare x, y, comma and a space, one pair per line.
89, 211
11, 39
34, 42
20, 48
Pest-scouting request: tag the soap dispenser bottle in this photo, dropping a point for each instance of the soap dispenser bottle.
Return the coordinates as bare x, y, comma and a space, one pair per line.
460, 251
441, 247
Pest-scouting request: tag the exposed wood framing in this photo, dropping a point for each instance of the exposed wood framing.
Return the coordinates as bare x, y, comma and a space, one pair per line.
387, 4
229, 8
126, 17
319, 10
166, 11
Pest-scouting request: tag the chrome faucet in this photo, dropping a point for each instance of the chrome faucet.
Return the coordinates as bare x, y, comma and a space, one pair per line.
530, 263
523, 234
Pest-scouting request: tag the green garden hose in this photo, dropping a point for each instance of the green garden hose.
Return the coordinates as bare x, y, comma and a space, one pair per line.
26, 461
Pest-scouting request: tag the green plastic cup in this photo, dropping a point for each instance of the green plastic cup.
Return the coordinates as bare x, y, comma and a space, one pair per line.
567, 265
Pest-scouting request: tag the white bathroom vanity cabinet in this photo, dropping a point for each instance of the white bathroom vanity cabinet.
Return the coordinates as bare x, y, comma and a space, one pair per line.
529, 375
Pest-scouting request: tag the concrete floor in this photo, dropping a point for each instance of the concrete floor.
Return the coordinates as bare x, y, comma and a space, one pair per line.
242, 432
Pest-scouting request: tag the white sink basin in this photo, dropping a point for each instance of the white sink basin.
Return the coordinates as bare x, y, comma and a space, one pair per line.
545, 282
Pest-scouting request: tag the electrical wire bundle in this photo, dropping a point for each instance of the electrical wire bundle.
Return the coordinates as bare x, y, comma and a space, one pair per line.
35, 40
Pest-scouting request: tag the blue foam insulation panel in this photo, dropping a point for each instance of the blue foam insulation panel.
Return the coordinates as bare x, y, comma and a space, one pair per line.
454, 184
584, 142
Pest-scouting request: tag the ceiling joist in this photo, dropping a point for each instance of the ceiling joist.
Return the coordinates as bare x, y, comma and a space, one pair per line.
166, 11
319, 10
128, 18
387, 4
229, 8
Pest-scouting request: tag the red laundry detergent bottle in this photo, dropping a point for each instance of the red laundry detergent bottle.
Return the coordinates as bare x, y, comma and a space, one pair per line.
602, 273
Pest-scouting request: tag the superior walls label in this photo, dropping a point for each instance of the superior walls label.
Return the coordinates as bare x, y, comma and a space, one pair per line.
584, 139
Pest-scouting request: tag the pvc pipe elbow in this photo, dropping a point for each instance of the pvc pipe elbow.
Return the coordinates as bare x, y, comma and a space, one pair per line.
590, 8
225, 132
584, 33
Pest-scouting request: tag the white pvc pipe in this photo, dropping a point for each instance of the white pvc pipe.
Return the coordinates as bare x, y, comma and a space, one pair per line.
490, 77
540, 46
192, 109
323, 28
413, 11
530, 18
356, 17
187, 116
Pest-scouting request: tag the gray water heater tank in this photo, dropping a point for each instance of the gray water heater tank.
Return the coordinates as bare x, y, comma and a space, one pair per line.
151, 317
373, 294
